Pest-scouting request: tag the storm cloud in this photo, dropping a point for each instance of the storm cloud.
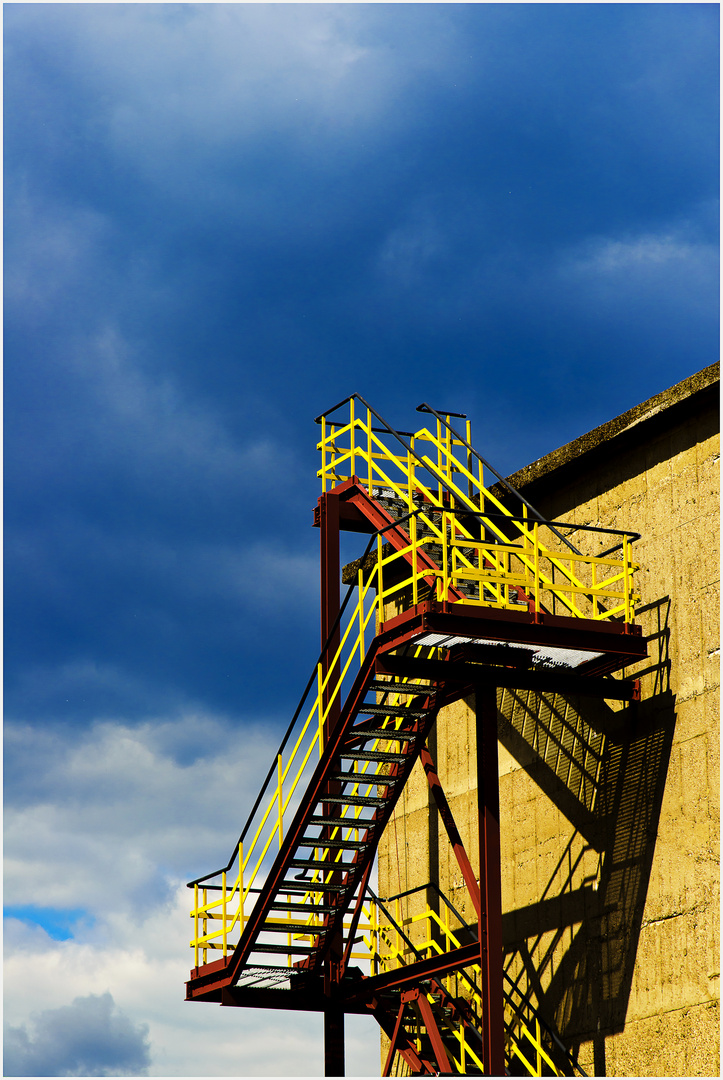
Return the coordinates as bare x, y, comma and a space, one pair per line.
90, 1037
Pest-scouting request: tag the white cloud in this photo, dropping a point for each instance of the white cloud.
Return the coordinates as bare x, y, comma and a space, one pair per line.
102, 818
108, 821
636, 255
165, 77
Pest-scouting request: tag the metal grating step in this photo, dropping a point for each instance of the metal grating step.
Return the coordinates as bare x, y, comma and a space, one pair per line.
319, 864
373, 755
307, 886
393, 710
293, 928
320, 842
363, 779
353, 800
345, 822
307, 950
412, 689
389, 734
285, 905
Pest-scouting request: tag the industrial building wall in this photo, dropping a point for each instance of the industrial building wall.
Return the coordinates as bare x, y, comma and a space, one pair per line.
609, 812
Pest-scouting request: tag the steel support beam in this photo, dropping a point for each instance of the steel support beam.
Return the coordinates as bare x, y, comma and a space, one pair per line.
561, 682
490, 922
330, 592
450, 826
334, 1040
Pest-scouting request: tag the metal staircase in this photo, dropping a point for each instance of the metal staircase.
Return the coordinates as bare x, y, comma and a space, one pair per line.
461, 588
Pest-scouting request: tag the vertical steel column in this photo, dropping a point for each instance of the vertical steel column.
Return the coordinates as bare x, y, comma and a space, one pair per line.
333, 1042
490, 922
330, 603
330, 590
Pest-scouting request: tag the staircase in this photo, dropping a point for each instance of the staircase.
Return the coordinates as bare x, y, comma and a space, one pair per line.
458, 583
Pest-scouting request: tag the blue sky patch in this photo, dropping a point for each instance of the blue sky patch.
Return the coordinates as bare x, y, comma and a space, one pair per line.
58, 923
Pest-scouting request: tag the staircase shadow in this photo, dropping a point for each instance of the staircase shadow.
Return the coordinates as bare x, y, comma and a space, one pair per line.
572, 952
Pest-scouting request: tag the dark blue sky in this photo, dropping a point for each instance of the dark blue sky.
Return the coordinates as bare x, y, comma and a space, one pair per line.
221, 219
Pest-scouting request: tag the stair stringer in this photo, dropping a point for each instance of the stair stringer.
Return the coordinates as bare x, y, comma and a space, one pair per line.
209, 980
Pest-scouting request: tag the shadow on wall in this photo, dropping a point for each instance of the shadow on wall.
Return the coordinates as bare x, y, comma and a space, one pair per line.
572, 953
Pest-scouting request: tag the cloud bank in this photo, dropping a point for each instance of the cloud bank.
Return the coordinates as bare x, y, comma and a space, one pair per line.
90, 1037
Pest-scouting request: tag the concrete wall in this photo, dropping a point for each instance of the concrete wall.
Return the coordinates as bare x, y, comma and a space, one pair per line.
609, 812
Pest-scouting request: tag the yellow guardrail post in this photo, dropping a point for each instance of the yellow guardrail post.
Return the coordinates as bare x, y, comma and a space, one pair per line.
280, 798
223, 910
320, 683
352, 470
626, 572
361, 617
195, 925
411, 468
446, 523
536, 561
323, 454
369, 450
415, 551
241, 884
205, 925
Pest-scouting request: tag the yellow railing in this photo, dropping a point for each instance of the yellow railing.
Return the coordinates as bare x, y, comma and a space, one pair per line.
223, 900
525, 1037
480, 547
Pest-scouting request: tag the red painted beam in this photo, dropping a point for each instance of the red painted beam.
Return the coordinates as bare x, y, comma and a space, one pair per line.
451, 827
490, 920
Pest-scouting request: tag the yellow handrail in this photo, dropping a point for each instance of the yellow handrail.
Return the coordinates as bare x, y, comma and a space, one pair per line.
401, 474
290, 772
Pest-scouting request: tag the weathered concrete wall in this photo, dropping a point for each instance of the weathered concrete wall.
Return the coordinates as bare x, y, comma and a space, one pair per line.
609, 812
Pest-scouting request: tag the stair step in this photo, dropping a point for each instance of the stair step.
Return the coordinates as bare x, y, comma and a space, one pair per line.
319, 842
285, 905
347, 823
307, 886
373, 755
392, 710
363, 779
306, 949
293, 928
384, 733
402, 688
318, 864
353, 800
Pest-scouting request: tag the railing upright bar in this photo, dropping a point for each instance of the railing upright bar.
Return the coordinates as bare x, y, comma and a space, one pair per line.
195, 925
320, 711
351, 437
223, 910
280, 799
241, 885
361, 616
205, 925
536, 558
